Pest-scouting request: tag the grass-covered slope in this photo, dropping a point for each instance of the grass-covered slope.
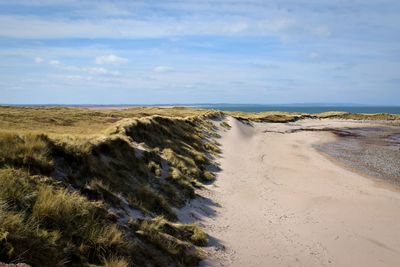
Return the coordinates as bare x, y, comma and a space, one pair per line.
80, 189
79, 121
282, 117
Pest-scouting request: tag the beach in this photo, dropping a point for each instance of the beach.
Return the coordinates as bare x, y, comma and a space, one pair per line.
279, 200
151, 186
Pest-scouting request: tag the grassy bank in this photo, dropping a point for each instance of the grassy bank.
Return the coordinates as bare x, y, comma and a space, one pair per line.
82, 187
282, 117
98, 188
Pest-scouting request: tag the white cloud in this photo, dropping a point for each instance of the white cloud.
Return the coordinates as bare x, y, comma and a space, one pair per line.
100, 71
239, 26
110, 60
54, 62
39, 60
163, 69
132, 27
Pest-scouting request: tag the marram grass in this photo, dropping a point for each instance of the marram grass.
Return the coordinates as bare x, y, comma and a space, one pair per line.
82, 187
73, 181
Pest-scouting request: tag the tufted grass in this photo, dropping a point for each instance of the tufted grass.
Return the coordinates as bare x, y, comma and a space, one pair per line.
70, 180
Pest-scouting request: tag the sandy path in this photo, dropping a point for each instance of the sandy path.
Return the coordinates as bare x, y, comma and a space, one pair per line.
278, 202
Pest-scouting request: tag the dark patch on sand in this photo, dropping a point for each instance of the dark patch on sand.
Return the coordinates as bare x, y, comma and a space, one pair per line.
338, 132
374, 151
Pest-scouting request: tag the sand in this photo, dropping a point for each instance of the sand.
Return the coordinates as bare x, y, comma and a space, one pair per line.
278, 201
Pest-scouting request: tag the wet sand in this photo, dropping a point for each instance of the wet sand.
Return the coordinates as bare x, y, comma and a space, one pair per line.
278, 201
373, 151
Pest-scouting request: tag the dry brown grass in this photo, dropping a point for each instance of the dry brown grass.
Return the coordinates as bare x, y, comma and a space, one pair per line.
282, 117
61, 170
115, 262
43, 224
68, 175
79, 121
176, 239
352, 116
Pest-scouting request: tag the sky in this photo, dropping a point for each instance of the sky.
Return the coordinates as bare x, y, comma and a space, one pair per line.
194, 51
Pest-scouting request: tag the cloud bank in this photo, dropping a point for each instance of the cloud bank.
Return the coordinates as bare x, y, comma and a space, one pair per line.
260, 51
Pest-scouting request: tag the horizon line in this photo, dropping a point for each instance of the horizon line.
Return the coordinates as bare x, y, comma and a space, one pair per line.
317, 104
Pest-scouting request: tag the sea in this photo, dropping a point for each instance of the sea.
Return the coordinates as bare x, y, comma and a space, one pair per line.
301, 108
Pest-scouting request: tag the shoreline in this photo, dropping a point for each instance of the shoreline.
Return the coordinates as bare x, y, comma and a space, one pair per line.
278, 201
354, 153
313, 108
378, 182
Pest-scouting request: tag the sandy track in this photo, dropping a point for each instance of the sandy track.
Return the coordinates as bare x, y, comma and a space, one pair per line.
278, 202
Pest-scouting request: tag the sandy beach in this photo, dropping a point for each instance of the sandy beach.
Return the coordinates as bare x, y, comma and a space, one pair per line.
279, 201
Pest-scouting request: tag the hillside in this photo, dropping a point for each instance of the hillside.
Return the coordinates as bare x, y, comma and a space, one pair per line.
99, 188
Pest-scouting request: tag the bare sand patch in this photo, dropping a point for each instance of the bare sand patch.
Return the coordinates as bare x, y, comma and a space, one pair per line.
277, 201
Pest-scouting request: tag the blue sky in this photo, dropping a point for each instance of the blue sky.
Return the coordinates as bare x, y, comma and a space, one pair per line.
187, 51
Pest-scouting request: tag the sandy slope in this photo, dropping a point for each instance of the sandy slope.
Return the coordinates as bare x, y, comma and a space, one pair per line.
278, 202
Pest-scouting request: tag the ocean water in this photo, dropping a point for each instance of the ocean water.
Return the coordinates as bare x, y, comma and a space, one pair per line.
311, 109
302, 109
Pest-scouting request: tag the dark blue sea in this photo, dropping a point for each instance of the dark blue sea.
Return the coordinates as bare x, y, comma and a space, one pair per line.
302, 109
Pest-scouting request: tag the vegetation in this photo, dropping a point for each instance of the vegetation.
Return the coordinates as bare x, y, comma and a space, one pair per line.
225, 125
174, 238
278, 117
83, 187
79, 121
43, 224
354, 116
78, 192
282, 117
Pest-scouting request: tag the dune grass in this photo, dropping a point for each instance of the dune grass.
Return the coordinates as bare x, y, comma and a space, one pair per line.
225, 125
273, 117
176, 239
27, 150
115, 262
79, 121
82, 187
72, 182
282, 117
44, 224
353, 116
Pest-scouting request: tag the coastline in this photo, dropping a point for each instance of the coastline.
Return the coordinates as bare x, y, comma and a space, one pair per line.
279, 202
371, 152
378, 182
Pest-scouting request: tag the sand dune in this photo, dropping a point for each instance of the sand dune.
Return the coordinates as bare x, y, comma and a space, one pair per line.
278, 202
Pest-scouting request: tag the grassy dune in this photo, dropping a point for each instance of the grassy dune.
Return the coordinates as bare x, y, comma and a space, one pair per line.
81, 187
79, 121
98, 188
281, 117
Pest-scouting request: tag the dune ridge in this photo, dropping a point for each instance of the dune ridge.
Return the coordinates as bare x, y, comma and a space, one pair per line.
85, 187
